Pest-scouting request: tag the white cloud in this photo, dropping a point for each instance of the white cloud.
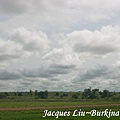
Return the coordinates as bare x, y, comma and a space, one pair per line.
30, 41
101, 42
10, 50
59, 16
19, 44
62, 56
68, 38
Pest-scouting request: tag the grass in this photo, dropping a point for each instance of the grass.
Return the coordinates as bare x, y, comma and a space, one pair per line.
13, 104
37, 115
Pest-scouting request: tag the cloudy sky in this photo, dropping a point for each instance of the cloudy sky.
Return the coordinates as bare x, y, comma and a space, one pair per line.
59, 45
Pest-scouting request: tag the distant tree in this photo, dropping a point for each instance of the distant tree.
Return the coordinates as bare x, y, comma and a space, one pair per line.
36, 93
19, 93
46, 93
15, 93
75, 96
61, 96
105, 94
95, 94
31, 92
6, 93
43, 94
65, 94
56, 94
87, 93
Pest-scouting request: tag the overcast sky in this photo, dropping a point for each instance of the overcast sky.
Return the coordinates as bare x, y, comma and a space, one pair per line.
59, 45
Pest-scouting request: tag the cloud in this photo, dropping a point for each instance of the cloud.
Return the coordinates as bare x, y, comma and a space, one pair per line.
94, 73
10, 50
13, 6
60, 69
100, 76
51, 41
46, 15
101, 42
30, 41
21, 43
9, 74
48, 72
63, 56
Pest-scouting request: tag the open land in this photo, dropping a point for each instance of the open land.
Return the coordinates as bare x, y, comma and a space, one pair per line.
29, 107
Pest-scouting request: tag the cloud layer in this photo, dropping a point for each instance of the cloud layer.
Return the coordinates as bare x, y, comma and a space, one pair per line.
59, 45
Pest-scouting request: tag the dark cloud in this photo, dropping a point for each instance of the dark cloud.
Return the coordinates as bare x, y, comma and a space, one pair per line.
94, 73
50, 72
7, 57
9, 74
13, 6
36, 73
96, 49
99, 72
60, 69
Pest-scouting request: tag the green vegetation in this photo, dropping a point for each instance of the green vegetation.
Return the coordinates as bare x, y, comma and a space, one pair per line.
86, 95
37, 115
56, 101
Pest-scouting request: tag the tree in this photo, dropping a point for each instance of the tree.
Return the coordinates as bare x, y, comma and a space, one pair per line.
105, 94
6, 93
56, 94
75, 96
36, 93
31, 92
95, 94
43, 94
87, 93
65, 94
20, 94
15, 93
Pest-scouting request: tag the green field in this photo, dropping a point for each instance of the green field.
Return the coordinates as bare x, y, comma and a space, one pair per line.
37, 114
31, 107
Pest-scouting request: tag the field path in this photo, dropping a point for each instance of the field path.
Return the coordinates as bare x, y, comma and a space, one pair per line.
55, 107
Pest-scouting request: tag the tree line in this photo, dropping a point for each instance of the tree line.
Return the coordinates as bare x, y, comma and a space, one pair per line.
86, 94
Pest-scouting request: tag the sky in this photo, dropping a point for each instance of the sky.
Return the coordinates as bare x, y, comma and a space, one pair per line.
59, 45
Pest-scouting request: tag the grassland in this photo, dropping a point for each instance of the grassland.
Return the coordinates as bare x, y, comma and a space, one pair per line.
37, 114
28, 107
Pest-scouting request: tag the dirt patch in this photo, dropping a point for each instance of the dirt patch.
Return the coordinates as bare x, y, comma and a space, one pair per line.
56, 107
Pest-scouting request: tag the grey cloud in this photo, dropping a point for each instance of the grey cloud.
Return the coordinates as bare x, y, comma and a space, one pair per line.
61, 69
7, 57
9, 74
52, 71
59, 66
36, 73
94, 73
96, 49
99, 72
55, 79
13, 6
